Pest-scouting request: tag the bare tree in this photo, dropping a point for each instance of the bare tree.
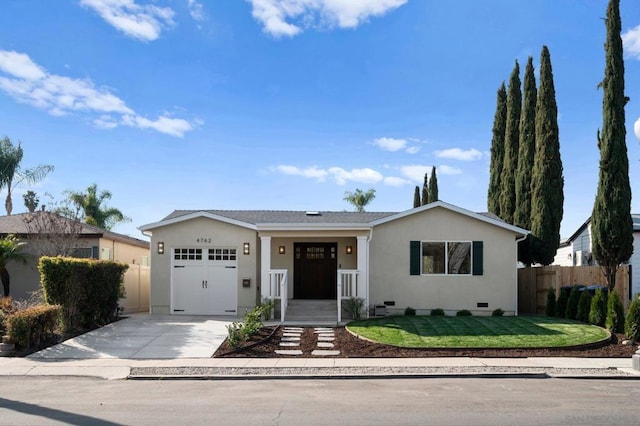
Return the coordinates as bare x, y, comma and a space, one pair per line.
51, 233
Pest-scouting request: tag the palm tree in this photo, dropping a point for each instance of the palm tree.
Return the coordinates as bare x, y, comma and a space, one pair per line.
10, 249
11, 175
360, 199
90, 203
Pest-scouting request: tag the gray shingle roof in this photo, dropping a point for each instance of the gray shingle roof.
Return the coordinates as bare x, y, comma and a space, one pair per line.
255, 217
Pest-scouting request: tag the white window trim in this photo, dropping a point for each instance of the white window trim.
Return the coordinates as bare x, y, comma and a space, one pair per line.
446, 258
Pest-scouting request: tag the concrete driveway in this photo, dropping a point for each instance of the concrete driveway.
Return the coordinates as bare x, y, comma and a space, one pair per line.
143, 336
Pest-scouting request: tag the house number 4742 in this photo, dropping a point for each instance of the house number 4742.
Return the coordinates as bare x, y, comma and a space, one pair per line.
203, 240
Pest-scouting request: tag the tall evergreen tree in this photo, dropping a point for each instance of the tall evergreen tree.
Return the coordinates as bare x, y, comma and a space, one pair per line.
511, 140
547, 182
497, 151
433, 186
425, 190
526, 151
611, 225
527, 148
416, 197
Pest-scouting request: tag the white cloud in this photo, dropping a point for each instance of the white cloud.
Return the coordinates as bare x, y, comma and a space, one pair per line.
310, 172
365, 175
144, 22
636, 128
196, 10
413, 150
631, 42
390, 144
396, 181
274, 14
448, 170
27, 82
415, 172
459, 154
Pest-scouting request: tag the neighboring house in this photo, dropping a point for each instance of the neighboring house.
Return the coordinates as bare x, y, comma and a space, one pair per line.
216, 262
84, 241
576, 251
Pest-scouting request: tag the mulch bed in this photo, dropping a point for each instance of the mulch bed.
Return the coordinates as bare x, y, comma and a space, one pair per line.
266, 342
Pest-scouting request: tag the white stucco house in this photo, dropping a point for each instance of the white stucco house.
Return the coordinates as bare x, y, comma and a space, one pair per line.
577, 251
220, 262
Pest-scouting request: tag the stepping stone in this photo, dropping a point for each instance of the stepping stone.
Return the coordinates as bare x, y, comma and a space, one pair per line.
326, 334
290, 339
294, 329
289, 352
323, 330
325, 345
289, 344
321, 352
291, 334
325, 339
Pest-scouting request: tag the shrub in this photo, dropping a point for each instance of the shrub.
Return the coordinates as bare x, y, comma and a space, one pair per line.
561, 303
409, 311
615, 313
598, 311
438, 312
240, 331
632, 322
497, 313
463, 313
30, 326
235, 334
354, 307
88, 290
584, 306
550, 308
572, 303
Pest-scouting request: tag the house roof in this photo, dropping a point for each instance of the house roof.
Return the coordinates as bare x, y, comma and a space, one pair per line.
635, 218
272, 219
15, 224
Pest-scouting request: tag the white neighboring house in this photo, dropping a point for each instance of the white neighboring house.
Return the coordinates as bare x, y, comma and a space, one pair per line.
576, 251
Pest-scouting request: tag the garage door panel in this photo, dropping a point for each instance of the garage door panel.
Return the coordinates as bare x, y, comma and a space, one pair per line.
187, 289
222, 286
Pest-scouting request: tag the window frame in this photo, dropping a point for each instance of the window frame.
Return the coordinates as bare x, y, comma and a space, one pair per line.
446, 258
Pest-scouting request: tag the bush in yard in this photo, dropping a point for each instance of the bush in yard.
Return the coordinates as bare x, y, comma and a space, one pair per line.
463, 313
354, 307
409, 311
235, 334
88, 290
632, 322
497, 313
584, 306
615, 313
438, 312
550, 308
28, 327
598, 311
572, 303
561, 303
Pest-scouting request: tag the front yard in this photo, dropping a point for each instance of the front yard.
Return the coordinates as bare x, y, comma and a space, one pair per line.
477, 332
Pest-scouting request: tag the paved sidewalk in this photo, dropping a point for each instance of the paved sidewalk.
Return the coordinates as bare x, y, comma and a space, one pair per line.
110, 368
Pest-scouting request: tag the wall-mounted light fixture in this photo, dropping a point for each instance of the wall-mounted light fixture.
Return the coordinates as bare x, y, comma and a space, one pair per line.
282, 250
160, 247
246, 248
349, 250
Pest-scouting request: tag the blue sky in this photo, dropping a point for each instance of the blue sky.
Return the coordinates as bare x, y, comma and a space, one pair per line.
287, 104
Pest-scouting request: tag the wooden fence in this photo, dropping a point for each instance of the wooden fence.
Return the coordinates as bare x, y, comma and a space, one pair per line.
534, 283
137, 283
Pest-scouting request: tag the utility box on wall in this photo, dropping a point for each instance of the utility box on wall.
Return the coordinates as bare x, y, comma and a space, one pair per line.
246, 282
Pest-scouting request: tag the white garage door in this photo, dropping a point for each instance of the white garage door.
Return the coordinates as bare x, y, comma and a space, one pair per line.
204, 281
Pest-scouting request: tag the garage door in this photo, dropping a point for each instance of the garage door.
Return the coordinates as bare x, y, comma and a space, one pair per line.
204, 281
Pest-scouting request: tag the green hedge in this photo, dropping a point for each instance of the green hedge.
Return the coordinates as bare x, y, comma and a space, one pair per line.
88, 290
30, 326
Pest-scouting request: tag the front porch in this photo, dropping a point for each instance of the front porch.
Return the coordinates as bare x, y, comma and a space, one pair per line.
310, 274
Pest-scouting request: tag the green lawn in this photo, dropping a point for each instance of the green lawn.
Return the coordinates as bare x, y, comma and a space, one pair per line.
477, 332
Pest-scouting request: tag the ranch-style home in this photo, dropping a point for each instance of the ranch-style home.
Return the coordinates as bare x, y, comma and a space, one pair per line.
218, 262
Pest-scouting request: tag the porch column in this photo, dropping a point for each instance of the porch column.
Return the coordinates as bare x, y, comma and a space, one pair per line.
265, 266
363, 269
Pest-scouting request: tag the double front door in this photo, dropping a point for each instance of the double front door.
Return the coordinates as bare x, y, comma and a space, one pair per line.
315, 270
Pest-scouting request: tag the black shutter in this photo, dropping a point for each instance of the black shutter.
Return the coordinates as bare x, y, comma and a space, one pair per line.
414, 258
477, 258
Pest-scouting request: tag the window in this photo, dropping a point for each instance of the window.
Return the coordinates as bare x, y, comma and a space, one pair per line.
222, 254
446, 258
187, 254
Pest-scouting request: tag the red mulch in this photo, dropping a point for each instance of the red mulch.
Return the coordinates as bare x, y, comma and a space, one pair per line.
350, 346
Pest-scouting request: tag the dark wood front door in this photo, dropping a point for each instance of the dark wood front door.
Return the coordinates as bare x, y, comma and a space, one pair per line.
315, 270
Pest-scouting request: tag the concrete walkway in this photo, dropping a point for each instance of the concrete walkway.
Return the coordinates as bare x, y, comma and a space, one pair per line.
179, 346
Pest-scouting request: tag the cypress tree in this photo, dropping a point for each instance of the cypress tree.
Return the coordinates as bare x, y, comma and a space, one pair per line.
416, 197
511, 141
611, 225
527, 147
547, 182
425, 190
497, 151
433, 186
